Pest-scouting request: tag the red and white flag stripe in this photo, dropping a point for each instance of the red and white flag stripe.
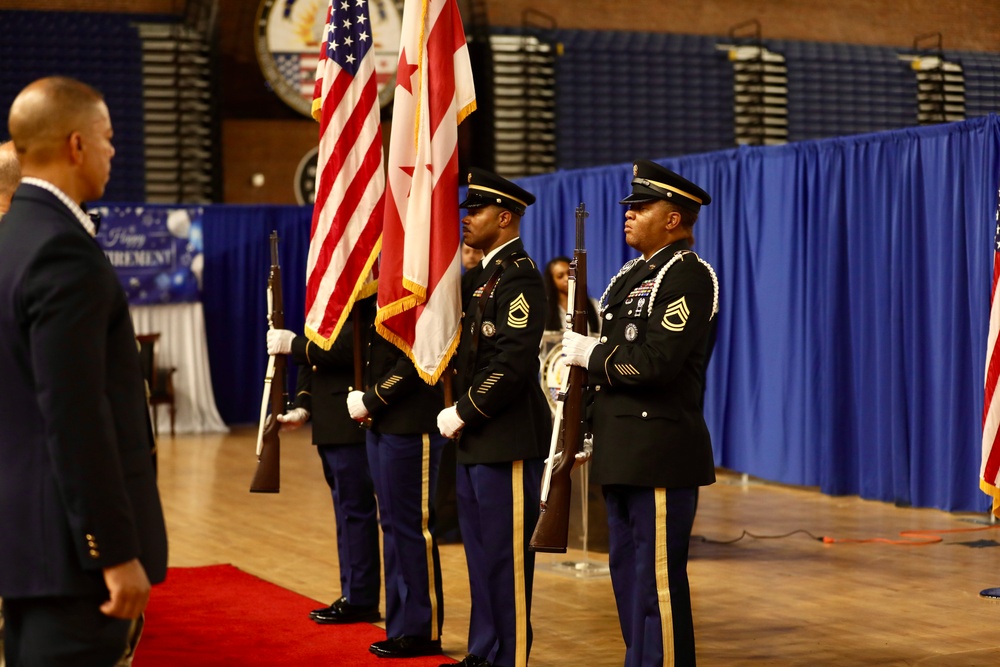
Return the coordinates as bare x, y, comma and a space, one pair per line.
350, 183
990, 471
419, 286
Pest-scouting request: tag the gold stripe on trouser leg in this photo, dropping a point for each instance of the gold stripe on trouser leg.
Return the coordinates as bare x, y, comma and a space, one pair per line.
663, 578
425, 518
520, 600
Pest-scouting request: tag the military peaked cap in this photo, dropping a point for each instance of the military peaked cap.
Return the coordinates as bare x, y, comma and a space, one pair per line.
486, 188
650, 181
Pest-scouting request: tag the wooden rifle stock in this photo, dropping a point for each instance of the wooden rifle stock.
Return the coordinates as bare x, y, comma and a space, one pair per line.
267, 477
552, 530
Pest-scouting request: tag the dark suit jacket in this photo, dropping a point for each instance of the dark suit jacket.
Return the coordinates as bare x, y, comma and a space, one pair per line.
647, 376
499, 397
399, 402
77, 487
325, 378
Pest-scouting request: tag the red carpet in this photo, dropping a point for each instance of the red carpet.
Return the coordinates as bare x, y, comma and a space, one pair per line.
220, 616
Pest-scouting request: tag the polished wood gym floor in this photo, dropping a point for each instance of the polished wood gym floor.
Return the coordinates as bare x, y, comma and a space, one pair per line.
785, 601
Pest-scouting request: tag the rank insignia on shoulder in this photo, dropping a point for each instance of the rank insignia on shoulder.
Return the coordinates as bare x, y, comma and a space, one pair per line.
676, 316
517, 316
489, 329
631, 332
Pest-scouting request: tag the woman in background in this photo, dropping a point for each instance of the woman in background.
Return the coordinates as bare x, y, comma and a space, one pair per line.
556, 279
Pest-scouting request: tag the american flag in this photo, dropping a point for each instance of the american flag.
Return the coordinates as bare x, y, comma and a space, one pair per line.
350, 185
990, 473
419, 286
299, 68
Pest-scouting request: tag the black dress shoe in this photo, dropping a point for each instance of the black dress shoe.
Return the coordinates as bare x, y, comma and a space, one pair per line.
470, 661
342, 611
406, 647
324, 610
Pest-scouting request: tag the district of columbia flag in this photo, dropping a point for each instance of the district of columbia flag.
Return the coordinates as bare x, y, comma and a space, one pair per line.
419, 296
350, 184
990, 472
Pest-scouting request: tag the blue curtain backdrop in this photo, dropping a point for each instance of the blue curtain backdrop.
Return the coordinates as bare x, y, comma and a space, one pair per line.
234, 296
854, 275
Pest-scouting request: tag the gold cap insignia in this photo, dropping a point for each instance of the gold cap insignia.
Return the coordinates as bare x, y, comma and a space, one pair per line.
470, 177
635, 170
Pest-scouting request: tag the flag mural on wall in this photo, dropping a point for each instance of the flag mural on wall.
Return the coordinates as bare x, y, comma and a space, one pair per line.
350, 185
419, 287
990, 473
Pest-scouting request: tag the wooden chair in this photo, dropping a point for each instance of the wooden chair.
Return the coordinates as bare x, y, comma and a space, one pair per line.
159, 380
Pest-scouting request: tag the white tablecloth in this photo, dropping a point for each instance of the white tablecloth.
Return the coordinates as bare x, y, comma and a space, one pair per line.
183, 345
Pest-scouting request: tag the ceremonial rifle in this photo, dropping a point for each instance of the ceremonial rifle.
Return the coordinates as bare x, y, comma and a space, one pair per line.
552, 529
267, 477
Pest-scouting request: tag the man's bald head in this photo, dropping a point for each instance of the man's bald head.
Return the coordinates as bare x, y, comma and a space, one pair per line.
45, 113
10, 174
62, 132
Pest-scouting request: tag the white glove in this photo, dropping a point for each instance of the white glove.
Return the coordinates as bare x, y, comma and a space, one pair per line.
576, 348
356, 405
581, 457
279, 341
449, 423
293, 419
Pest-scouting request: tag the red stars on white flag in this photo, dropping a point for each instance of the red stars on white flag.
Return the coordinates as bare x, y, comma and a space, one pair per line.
419, 284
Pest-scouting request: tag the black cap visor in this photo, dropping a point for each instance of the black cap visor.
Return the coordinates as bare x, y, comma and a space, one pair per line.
647, 193
476, 200
641, 194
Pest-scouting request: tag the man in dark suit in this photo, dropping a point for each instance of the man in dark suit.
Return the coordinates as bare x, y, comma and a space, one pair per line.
502, 419
325, 379
651, 447
79, 510
10, 178
404, 453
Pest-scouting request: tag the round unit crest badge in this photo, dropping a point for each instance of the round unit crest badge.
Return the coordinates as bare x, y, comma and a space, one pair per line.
290, 34
631, 332
489, 329
305, 177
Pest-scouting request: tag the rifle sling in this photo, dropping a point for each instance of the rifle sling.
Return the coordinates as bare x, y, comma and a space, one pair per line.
477, 325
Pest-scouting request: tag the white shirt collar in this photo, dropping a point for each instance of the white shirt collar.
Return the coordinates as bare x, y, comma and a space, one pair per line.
74, 208
486, 260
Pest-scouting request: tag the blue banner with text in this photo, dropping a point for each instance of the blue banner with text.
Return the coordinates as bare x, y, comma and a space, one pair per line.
157, 251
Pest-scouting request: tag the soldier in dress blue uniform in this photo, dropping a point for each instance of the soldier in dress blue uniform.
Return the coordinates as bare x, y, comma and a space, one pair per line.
502, 420
404, 453
325, 378
651, 446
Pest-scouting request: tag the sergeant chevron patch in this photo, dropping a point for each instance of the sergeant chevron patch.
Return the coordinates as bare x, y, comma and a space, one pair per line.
676, 316
517, 316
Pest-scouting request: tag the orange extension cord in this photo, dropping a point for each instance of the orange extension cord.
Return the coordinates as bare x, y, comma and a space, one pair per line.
912, 538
